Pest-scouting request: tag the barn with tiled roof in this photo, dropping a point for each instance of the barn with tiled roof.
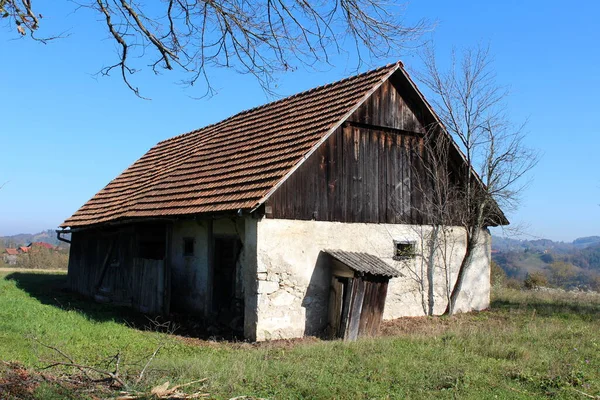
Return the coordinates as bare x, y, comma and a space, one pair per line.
302, 216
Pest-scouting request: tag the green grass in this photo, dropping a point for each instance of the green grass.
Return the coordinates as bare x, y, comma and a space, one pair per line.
530, 345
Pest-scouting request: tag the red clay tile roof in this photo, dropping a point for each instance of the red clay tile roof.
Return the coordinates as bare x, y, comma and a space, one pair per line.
41, 244
24, 249
12, 252
232, 164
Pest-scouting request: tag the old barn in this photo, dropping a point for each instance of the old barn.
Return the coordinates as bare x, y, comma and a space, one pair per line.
297, 217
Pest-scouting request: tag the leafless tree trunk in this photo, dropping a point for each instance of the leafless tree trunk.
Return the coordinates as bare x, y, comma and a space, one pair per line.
471, 192
435, 184
254, 37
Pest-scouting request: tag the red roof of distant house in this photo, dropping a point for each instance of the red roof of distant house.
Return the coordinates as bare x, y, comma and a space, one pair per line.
12, 252
41, 244
24, 249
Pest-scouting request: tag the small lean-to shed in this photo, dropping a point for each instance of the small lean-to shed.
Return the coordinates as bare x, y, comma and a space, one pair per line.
228, 224
359, 285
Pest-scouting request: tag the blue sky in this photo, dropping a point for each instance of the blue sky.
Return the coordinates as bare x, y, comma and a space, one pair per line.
66, 133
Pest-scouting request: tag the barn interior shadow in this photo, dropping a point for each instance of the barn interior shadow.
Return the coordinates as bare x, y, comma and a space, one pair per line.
316, 300
51, 289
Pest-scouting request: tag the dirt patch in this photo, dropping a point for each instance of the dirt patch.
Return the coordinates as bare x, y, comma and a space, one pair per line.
436, 325
271, 344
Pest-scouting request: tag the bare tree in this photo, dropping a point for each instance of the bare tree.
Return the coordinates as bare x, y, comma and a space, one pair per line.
437, 189
473, 191
255, 37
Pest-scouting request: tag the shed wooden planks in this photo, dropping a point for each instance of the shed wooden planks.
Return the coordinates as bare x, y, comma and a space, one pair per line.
126, 280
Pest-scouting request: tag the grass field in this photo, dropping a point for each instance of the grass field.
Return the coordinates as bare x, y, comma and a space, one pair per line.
529, 345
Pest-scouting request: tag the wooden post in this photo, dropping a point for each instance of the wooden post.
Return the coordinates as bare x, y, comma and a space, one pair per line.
104, 266
167, 269
211, 268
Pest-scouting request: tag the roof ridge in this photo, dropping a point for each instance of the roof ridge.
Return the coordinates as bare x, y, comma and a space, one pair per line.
180, 162
160, 162
271, 103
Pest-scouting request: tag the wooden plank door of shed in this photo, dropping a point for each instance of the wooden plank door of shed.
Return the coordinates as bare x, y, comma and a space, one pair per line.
357, 296
372, 310
356, 307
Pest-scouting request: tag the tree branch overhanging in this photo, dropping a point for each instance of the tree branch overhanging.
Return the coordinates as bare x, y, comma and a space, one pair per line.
260, 38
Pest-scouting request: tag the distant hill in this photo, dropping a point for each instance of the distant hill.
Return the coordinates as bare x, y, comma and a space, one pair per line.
22, 239
565, 264
586, 241
505, 244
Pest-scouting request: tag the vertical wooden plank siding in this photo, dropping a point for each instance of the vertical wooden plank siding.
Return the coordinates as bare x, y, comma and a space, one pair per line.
373, 305
167, 269
365, 172
103, 264
211, 266
371, 179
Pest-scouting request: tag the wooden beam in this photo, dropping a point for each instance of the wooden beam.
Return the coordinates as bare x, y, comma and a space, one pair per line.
386, 129
167, 269
211, 267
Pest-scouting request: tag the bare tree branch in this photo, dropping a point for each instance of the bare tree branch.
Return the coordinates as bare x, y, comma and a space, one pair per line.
495, 159
260, 38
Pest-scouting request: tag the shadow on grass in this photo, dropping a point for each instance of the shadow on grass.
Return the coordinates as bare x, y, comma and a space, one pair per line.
545, 308
51, 289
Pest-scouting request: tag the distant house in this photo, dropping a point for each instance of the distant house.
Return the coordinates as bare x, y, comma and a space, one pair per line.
297, 217
41, 245
23, 249
10, 256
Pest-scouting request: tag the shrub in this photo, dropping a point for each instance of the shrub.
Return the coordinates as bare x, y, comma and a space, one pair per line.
43, 258
497, 275
513, 283
534, 280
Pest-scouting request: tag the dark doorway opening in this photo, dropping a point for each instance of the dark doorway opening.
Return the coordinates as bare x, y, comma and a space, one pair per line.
227, 296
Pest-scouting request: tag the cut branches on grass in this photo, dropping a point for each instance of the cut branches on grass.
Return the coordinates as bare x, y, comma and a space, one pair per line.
113, 377
128, 386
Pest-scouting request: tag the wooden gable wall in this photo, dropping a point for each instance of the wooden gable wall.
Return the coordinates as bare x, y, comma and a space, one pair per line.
367, 169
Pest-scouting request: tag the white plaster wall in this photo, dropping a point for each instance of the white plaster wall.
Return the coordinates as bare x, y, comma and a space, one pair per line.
292, 285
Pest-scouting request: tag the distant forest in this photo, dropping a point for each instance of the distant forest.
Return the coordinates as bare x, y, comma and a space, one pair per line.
559, 264
23, 239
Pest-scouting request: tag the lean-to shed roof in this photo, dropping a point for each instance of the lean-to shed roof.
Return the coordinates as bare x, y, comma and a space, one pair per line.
364, 263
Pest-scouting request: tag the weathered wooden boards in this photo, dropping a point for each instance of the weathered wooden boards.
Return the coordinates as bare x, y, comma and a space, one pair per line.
356, 306
110, 265
364, 172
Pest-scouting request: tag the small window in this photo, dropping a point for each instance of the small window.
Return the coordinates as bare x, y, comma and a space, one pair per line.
404, 250
188, 246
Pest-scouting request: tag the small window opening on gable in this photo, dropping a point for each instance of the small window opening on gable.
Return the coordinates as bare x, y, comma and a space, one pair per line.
404, 250
188, 246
